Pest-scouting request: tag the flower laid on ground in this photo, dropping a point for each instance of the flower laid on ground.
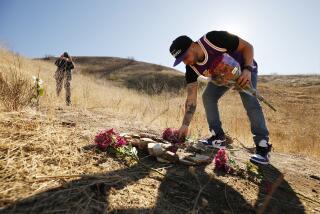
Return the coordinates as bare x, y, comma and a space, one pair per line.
109, 138
172, 135
221, 161
112, 142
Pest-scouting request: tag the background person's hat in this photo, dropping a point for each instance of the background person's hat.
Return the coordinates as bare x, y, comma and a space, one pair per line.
179, 48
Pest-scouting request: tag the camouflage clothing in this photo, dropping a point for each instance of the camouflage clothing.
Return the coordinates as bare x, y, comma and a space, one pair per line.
63, 73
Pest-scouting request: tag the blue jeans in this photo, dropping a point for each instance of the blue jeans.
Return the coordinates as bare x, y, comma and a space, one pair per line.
211, 96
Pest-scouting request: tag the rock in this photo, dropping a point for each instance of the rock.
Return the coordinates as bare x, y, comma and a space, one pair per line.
195, 148
147, 135
155, 149
186, 162
161, 160
204, 202
182, 153
68, 123
134, 142
199, 159
143, 143
170, 156
125, 135
147, 140
166, 146
135, 136
154, 137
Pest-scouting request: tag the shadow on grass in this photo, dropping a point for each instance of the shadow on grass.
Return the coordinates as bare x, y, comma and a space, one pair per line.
177, 193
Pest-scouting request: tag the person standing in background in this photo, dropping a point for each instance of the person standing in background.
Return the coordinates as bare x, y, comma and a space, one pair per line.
63, 73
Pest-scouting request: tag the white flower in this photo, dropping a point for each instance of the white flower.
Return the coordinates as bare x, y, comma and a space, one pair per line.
40, 82
37, 80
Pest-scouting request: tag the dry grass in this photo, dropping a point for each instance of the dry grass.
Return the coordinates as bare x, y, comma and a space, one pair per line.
16, 89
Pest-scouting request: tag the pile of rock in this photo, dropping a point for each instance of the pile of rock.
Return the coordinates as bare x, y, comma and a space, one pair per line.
164, 151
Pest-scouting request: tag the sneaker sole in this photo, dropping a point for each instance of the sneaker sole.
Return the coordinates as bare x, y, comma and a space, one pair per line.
217, 147
212, 146
259, 162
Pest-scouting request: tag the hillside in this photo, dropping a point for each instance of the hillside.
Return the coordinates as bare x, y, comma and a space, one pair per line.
141, 76
48, 163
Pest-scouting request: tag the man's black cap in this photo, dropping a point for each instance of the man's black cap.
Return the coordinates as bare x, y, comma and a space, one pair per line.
179, 48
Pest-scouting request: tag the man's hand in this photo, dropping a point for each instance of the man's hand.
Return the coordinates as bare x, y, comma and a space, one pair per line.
245, 78
183, 131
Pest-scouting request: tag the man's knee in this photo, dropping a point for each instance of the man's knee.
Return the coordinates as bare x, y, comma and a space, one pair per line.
250, 103
207, 99
205, 95
59, 84
253, 105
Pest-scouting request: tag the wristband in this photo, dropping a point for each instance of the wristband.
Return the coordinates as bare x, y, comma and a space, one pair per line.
248, 67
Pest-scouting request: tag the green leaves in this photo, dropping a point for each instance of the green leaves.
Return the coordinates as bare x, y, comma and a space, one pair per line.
125, 151
251, 168
41, 92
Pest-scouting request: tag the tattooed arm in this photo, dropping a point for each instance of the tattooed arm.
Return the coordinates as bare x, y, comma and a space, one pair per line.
190, 107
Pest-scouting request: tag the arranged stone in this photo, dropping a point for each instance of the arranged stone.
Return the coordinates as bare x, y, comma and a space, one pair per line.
186, 162
170, 156
161, 160
199, 159
166, 146
143, 143
135, 136
147, 140
165, 152
155, 149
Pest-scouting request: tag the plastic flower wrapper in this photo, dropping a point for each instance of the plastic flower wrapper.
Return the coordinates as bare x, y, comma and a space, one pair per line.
225, 70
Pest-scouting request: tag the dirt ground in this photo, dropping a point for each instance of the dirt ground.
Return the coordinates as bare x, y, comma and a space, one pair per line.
60, 143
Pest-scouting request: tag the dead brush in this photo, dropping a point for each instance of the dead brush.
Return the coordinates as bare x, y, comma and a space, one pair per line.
16, 90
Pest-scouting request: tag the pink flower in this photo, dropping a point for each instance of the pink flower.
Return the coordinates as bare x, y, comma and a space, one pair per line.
120, 141
110, 131
172, 135
221, 161
107, 138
